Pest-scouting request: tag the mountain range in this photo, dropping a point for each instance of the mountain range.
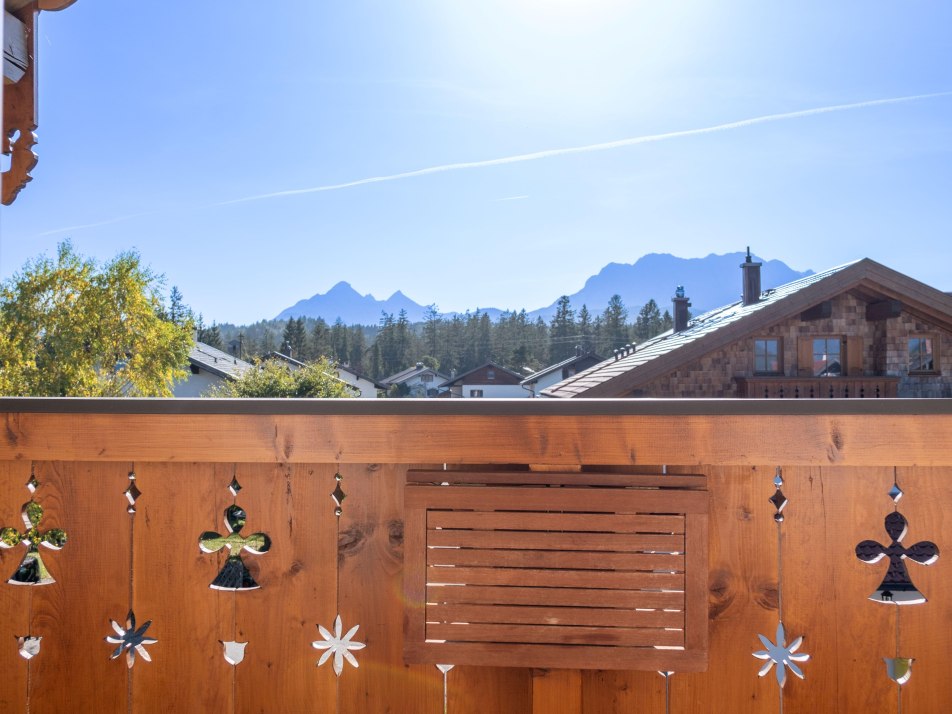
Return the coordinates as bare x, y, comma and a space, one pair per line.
709, 282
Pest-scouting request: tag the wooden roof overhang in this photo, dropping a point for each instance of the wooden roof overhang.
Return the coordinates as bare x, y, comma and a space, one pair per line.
866, 278
19, 90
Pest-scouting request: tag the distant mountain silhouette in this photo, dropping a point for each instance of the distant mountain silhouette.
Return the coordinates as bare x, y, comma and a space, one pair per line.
709, 282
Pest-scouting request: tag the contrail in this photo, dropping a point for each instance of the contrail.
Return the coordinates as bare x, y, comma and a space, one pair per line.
605, 146
546, 154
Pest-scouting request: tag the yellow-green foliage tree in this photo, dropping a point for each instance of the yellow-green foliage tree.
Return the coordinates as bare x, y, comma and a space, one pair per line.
273, 378
69, 327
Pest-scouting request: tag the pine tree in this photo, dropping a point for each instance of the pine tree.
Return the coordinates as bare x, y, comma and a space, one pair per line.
648, 323
585, 330
562, 331
614, 326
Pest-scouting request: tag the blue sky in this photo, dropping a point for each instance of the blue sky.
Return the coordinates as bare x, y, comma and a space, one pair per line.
155, 123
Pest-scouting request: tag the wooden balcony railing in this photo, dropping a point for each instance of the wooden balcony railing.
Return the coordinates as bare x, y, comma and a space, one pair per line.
817, 387
529, 537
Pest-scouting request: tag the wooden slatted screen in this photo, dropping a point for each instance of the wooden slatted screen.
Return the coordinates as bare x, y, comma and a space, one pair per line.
573, 570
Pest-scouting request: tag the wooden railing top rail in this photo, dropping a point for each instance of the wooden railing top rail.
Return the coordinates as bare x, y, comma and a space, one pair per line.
640, 433
476, 407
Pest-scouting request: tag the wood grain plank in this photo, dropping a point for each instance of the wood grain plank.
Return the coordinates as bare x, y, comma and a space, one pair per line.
553, 634
479, 690
14, 601
541, 540
371, 595
742, 600
525, 520
291, 503
529, 615
620, 692
557, 691
579, 597
637, 439
178, 503
86, 501
612, 580
554, 559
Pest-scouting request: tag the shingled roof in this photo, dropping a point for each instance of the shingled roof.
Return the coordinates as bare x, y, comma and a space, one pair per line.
618, 376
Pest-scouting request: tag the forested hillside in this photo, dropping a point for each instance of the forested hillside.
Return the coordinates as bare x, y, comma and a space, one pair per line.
450, 344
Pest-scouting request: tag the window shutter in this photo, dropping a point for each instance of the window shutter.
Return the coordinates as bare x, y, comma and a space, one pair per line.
805, 356
854, 356
566, 570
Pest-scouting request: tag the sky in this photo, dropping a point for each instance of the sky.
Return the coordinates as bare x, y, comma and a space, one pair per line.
484, 154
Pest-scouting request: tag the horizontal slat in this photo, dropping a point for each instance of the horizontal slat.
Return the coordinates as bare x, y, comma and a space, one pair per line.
556, 541
596, 579
554, 559
556, 656
583, 522
640, 637
527, 615
578, 597
587, 500
549, 477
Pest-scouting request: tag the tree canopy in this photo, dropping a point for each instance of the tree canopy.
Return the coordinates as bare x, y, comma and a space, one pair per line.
70, 327
275, 379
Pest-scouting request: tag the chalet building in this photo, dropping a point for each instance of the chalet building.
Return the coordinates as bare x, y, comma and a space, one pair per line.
357, 382
860, 330
553, 374
416, 381
209, 367
489, 381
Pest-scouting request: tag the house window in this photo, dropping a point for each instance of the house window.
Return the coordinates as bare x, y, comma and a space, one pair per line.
426, 377
827, 357
767, 356
922, 357
476, 393
490, 374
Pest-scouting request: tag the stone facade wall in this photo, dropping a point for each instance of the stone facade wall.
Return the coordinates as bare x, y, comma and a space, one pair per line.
884, 354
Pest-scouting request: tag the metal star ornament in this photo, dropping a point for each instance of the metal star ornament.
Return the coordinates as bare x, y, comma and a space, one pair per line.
340, 647
131, 640
781, 655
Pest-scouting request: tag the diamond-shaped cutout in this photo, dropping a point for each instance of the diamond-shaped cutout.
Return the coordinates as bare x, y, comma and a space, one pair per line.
132, 495
778, 479
778, 500
338, 494
895, 493
234, 486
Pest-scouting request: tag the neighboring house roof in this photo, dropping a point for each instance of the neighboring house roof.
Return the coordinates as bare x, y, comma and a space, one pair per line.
721, 327
574, 359
284, 358
360, 375
217, 362
410, 373
461, 379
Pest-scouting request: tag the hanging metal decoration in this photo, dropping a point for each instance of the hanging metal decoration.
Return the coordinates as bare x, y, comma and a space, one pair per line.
897, 587
32, 570
778, 653
131, 639
340, 646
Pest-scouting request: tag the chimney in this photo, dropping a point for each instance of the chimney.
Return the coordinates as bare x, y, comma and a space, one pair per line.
751, 279
681, 305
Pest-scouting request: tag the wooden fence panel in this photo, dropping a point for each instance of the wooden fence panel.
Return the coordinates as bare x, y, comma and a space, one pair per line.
743, 577
92, 586
298, 579
610, 691
14, 601
187, 672
371, 595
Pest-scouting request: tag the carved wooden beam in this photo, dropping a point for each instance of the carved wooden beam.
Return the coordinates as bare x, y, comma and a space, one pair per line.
16, 56
19, 117
883, 310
